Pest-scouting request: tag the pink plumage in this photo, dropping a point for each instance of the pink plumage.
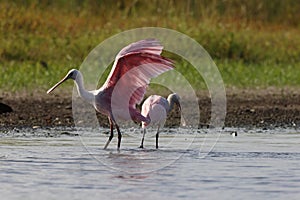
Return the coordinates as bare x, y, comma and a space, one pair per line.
155, 108
126, 84
140, 61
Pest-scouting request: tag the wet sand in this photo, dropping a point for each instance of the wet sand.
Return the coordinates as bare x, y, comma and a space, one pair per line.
264, 108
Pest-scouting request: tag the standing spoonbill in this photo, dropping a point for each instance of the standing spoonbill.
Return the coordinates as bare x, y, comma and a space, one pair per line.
155, 108
129, 77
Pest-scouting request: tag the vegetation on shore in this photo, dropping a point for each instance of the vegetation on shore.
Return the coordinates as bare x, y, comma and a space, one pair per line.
254, 43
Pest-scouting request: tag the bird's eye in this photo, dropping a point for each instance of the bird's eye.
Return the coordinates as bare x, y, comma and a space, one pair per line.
71, 74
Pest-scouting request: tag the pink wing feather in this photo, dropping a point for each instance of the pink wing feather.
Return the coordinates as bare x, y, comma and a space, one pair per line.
150, 46
133, 68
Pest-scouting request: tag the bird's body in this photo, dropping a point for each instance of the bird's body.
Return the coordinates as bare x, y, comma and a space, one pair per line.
155, 108
126, 84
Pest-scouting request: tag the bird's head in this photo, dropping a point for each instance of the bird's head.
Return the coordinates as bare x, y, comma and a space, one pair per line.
72, 74
174, 98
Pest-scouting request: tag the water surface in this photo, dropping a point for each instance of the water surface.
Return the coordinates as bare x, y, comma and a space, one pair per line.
70, 164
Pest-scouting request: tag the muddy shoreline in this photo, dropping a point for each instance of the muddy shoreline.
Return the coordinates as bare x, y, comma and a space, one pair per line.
264, 108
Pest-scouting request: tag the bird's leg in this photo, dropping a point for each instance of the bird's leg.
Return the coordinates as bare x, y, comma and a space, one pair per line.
119, 136
157, 134
111, 133
142, 142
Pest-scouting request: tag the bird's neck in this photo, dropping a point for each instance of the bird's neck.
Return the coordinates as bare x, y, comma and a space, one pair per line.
83, 93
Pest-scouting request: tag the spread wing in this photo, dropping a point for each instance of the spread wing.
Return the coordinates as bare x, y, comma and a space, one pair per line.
133, 68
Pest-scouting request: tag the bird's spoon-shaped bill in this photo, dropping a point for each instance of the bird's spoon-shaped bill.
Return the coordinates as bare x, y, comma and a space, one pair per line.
182, 121
57, 84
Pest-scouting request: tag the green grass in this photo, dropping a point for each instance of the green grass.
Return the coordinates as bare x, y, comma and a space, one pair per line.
254, 43
238, 74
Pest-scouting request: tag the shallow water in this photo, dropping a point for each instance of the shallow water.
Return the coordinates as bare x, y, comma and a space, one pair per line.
70, 164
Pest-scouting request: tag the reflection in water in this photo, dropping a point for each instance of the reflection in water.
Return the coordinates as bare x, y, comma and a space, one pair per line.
132, 177
266, 165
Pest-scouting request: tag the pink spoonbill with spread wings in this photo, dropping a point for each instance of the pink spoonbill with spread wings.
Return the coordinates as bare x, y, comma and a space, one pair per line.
130, 75
156, 108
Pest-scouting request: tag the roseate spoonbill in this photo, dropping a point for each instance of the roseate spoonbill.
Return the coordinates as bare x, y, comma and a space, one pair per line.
156, 108
130, 75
